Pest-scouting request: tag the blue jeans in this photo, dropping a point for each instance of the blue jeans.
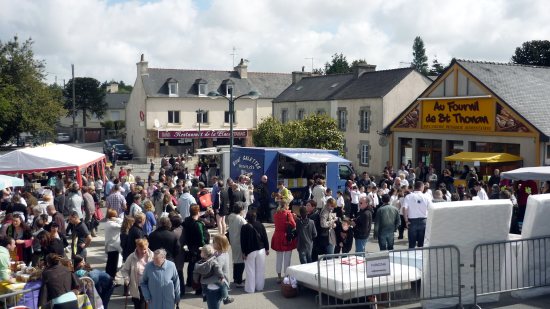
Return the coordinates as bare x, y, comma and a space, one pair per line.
304, 256
417, 228
213, 298
360, 244
385, 240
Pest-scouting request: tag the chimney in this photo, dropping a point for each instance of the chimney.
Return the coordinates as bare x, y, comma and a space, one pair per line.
242, 69
361, 68
112, 88
298, 75
142, 66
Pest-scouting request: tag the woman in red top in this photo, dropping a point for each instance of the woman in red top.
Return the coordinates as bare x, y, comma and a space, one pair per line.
279, 243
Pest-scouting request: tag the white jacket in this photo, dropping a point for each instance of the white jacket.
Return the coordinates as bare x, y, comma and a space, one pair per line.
129, 272
112, 235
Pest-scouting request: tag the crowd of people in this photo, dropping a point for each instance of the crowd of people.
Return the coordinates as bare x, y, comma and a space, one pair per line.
155, 227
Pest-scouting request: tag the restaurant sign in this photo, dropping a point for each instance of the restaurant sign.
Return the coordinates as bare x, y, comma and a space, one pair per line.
203, 134
461, 114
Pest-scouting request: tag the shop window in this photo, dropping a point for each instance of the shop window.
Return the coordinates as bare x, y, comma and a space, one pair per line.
342, 118
495, 147
406, 149
364, 120
174, 117
454, 147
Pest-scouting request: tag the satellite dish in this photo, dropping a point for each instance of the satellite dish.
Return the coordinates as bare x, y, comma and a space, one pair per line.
157, 123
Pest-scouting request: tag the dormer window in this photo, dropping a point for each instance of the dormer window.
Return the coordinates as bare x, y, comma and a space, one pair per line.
228, 86
202, 87
172, 87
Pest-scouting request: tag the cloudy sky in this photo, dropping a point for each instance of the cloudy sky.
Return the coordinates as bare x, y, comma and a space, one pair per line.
104, 38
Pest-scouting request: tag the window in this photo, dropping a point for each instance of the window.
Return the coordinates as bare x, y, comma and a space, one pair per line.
301, 114
172, 89
321, 111
202, 117
284, 115
364, 153
174, 117
342, 119
344, 171
202, 89
226, 117
227, 86
364, 121
115, 115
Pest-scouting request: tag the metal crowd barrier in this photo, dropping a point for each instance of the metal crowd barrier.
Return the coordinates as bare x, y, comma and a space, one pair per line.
20, 298
512, 265
419, 274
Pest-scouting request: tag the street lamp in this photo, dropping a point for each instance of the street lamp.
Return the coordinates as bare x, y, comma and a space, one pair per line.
199, 112
251, 95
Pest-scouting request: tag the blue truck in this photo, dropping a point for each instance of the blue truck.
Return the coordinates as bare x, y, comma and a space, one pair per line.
292, 165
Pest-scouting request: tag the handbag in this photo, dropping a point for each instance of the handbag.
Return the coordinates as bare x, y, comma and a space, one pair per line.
98, 213
291, 232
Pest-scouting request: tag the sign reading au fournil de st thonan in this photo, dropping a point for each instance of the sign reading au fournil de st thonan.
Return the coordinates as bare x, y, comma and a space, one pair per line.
204, 134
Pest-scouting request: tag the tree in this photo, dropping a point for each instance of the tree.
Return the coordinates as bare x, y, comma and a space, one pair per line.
533, 53
339, 64
122, 87
437, 68
27, 103
89, 98
314, 131
357, 62
420, 60
269, 133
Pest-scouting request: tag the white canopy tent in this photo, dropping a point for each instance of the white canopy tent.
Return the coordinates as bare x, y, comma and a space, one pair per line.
541, 173
51, 157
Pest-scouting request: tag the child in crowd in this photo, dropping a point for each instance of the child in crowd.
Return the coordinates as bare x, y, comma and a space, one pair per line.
344, 237
339, 204
208, 271
306, 232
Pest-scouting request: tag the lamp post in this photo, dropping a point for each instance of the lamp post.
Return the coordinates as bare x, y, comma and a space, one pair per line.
199, 120
214, 95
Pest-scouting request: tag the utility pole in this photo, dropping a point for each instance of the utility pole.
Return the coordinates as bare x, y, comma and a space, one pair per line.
74, 105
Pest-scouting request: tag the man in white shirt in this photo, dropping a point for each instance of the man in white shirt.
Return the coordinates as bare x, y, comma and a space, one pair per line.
481, 192
415, 211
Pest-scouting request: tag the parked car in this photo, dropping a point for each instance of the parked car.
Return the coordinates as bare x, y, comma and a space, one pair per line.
108, 145
63, 138
123, 152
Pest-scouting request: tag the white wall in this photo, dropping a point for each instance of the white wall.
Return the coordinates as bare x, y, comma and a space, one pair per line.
402, 95
136, 135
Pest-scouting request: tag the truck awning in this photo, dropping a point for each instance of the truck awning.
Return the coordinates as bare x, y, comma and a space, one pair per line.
308, 157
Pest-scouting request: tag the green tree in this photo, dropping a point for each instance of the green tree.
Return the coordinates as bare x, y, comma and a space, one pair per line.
269, 133
420, 60
122, 87
320, 131
27, 103
314, 131
357, 62
89, 97
338, 64
437, 68
533, 53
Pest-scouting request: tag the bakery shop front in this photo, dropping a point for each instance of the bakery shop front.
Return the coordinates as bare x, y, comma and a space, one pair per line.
476, 107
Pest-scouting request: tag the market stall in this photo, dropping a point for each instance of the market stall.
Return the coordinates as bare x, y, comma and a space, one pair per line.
53, 157
487, 160
541, 173
8, 181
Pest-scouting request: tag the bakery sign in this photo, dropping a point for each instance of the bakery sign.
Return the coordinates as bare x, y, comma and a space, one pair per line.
463, 114
203, 134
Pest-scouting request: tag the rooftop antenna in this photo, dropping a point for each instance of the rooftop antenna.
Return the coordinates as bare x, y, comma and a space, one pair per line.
311, 62
234, 53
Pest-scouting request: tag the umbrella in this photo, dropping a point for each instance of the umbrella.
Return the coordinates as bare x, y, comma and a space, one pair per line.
8, 181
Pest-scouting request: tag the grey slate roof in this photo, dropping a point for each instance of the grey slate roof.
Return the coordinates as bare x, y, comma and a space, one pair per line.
524, 88
374, 84
270, 85
117, 100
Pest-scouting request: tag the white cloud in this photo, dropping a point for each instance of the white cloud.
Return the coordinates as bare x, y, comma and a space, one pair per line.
104, 39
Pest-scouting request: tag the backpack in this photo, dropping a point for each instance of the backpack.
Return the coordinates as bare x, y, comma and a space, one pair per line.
205, 199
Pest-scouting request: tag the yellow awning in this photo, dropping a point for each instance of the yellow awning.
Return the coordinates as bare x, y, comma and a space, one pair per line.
484, 157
